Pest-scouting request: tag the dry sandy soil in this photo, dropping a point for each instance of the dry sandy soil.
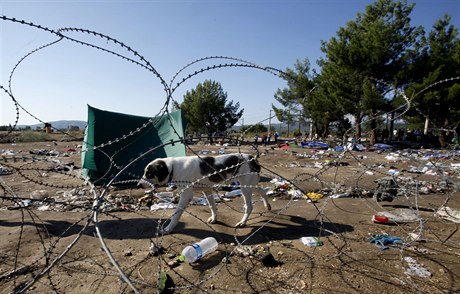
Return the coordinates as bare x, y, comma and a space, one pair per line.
52, 245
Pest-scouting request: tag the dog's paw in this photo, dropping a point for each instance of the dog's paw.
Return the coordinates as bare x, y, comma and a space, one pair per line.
165, 231
211, 220
268, 207
240, 225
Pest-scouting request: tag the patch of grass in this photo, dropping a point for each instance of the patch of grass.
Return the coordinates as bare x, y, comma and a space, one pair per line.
32, 136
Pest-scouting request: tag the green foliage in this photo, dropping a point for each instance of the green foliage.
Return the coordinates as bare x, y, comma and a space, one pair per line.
439, 102
32, 136
207, 110
294, 97
367, 58
255, 129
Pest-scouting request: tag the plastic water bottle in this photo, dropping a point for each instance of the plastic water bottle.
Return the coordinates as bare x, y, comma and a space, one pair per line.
197, 250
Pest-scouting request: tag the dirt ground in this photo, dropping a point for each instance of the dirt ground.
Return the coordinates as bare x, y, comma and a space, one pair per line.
52, 245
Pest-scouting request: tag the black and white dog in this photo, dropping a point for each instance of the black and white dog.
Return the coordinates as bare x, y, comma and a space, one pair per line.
189, 171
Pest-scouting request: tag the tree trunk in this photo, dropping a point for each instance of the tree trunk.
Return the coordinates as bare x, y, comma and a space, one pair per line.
311, 129
392, 126
373, 127
358, 129
425, 129
443, 134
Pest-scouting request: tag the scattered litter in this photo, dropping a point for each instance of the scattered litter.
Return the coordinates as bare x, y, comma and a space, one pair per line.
44, 152
340, 195
354, 147
171, 187
393, 172
339, 148
39, 194
448, 213
415, 269
393, 157
164, 195
314, 144
234, 193
381, 146
155, 249
313, 196
387, 189
233, 186
4, 171
199, 201
396, 216
383, 241
158, 206
44, 208
418, 170
25, 203
7, 152
311, 241
416, 237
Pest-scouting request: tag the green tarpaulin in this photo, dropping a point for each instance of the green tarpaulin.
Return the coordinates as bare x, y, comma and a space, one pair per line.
113, 140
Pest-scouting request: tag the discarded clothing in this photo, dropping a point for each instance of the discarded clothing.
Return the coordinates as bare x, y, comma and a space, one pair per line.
383, 241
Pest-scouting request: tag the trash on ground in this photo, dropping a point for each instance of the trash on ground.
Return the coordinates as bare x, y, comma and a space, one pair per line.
4, 171
311, 241
396, 216
158, 206
313, 196
381, 146
415, 269
449, 214
39, 194
384, 241
387, 189
314, 144
234, 193
417, 237
198, 250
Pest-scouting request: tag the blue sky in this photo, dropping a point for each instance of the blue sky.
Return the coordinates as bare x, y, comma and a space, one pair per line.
58, 82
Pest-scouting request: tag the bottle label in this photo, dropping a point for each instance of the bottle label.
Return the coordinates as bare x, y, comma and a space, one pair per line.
199, 252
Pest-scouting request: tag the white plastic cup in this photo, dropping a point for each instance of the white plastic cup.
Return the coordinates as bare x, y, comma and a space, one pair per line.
198, 250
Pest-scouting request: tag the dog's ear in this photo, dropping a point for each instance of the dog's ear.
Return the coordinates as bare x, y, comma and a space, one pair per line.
158, 170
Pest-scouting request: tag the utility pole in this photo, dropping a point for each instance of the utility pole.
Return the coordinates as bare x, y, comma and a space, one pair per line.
270, 122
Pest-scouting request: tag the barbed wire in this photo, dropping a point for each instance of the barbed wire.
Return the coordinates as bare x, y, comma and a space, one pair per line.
262, 257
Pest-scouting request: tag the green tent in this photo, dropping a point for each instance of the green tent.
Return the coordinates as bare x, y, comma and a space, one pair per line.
114, 140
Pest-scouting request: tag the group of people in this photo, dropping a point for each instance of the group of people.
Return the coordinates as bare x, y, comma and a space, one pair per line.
266, 138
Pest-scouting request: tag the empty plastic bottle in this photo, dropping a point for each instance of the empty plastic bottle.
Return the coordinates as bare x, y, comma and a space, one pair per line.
197, 250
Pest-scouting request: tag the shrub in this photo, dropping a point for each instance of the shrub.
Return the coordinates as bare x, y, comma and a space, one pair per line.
32, 136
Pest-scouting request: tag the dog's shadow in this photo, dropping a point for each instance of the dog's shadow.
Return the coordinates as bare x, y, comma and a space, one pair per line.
288, 228
132, 228
284, 227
